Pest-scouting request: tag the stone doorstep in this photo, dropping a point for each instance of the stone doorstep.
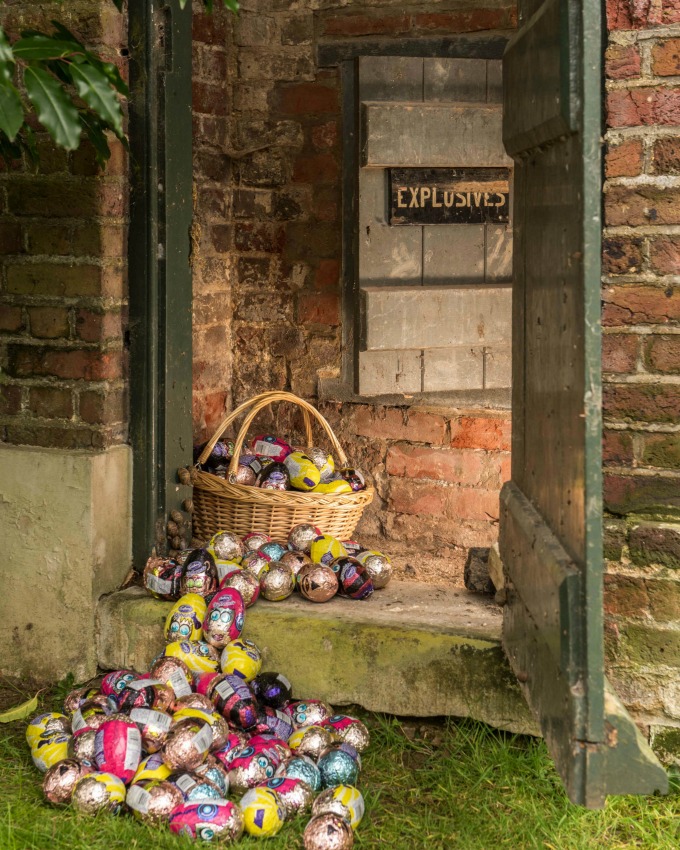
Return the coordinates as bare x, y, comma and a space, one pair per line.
411, 649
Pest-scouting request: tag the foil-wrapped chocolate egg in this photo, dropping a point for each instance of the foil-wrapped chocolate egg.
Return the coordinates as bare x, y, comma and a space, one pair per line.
301, 537
335, 487
271, 743
303, 472
195, 787
344, 747
263, 812
351, 731
153, 727
317, 582
301, 767
354, 477
200, 701
184, 621
247, 584
242, 658
235, 701
276, 722
326, 549
174, 673
274, 476
98, 792
226, 546
217, 723
295, 561
118, 748
277, 583
152, 802
236, 740
81, 746
182, 556
269, 446
77, 697
343, 800
378, 567
219, 821
323, 462
93, 712
247, 470
310, 712
198, 655
295, 795
225, 568
310, 741
60, 779
337, 768
203, 682
250, 768
256, 563
45, 726
145, 693
272, 689
354, 581
328, 832
162, 577
50, 751
199, 574
114, 682
187, 744
253, 540
272, 550
224, 619
213, 770
151, 768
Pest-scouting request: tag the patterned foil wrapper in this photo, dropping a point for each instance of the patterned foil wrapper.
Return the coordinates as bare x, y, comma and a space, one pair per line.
235, 701
251, 767
301, 537
137, 694
195, 787
296, 795
353, 577
162, 577
187, 744
182, 556
198, 655
343, 800
46, 726
199, 574
115, 682
224, 618
268, 742
151, 768
213, 770
253, 540
272, 689
247, 584
98, 792
227, 546
274, 476
174, 673
81, 746
277, 583
377, 566
153, 726
218, 725
337, 768
351, 731
310, 741
194, 701
322, 461
272, 550
118, 748
310, 712
301, 767
256, 563
60, 780
353, 548
153, 801
77, 697
275, 722
354, 477
241, 658
263, 812
221, 821
295, 561
317, 582
235, 742
328, 832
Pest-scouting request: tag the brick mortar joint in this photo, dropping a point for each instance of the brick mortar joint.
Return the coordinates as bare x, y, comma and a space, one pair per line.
641, 427
643, 472
670, 83
92, 303
656, 33
76, 385
62, 344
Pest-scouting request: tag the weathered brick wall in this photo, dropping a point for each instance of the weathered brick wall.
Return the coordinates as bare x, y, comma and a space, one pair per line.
641, 357
268, 288
62, 272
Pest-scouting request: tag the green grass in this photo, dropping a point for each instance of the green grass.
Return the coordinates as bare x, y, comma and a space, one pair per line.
433, 785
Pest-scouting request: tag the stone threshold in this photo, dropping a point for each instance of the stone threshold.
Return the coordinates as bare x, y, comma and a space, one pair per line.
410, 649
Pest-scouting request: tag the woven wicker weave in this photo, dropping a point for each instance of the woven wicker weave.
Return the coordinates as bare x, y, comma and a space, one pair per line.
222, 505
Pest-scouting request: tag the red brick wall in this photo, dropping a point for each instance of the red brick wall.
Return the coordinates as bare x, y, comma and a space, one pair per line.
641, 354
269, 208
62, 273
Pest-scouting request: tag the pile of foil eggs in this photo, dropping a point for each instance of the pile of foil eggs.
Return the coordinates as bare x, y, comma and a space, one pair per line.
273, 464
316, 565
205, 743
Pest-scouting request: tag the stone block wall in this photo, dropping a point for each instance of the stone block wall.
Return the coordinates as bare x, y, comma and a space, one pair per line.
267, 295
63, 287
641, 361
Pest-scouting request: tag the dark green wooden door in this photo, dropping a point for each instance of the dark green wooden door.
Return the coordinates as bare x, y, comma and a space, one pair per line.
551, 511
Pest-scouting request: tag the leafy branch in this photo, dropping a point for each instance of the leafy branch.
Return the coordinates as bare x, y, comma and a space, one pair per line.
71, 92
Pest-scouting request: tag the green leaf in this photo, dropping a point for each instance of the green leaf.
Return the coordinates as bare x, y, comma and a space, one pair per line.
11, 110
6, 54
96, 91
38, 48
95, 133
54, 109
20, 712
109, 70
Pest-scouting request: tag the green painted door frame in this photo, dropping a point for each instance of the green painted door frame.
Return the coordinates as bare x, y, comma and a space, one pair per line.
159, 264
551, 510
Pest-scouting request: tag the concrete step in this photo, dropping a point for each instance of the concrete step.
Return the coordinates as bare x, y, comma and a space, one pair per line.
410, 649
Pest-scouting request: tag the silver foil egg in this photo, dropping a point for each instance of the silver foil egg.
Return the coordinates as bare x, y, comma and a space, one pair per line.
328, 832
277, 583
295, 795
227, 546
59, 781
98, 792
200, 701
253, 540
247, 584
153, 801
301, 537
187, 744
343, 800
301, 767
337, 768
310, 741
81, 746
351, 731
256, 563
377, 566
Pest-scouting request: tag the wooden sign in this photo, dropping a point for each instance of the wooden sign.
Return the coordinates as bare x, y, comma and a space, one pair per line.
449, 195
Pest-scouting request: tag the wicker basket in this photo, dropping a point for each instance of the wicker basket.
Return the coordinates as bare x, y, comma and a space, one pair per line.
224, 505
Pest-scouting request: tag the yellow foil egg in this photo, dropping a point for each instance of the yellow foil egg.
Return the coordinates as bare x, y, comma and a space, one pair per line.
338, 486
184, 622
325, 549
263, 812
152, 767
198, 655
242, 658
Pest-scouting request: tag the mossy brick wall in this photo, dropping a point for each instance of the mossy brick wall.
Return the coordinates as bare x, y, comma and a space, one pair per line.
62, 271
641, 357
267, 260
